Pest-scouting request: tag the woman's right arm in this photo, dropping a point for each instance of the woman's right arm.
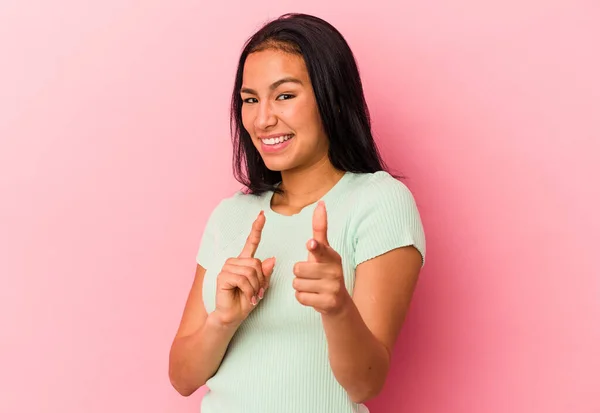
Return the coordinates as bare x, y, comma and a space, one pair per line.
200, 342
202, 339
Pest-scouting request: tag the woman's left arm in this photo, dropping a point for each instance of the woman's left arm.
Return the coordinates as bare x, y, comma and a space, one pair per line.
361, 330
362, 333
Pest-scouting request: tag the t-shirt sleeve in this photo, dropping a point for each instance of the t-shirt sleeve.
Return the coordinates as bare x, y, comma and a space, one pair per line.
209, 240
387, 218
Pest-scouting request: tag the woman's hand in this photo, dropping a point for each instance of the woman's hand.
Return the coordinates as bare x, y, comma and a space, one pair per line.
242, 281
319, 282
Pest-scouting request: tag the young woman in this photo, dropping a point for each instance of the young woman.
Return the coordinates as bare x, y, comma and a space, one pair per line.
304, 278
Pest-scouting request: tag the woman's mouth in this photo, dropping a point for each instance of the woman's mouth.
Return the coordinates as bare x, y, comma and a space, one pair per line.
275, 144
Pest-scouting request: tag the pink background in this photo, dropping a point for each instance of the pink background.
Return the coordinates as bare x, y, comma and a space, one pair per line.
114, 148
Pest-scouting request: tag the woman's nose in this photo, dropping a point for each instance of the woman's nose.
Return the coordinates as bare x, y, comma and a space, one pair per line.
265, 117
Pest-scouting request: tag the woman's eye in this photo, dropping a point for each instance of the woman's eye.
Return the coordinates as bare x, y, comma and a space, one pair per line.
285, 96
249, 100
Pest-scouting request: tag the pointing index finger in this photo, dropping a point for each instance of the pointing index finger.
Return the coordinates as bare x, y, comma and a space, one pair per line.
320, 223
254, 238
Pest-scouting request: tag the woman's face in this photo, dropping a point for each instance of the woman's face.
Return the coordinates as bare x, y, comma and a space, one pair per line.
280, 112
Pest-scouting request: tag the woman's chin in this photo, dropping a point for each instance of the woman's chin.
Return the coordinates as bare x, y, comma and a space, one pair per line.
275, 166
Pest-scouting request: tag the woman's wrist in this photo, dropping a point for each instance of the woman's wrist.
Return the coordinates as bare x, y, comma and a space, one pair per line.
345, 307
215, 321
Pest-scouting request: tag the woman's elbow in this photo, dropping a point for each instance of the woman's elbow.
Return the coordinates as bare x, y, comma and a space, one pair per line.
367, 392
181, 382
362, 398
183, 388
184, 381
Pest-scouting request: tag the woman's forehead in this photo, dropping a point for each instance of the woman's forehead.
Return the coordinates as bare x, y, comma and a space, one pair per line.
268, 66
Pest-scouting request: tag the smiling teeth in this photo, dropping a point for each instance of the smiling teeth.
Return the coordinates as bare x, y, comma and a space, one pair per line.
275, 141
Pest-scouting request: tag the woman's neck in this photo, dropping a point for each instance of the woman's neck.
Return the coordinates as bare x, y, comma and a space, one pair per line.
302, 188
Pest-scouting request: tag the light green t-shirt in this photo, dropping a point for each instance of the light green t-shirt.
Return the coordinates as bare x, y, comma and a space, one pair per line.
277, 361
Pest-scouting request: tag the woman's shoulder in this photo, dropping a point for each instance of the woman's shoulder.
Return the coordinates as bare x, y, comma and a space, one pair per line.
373, 187
236, 204
241, 198
384, 216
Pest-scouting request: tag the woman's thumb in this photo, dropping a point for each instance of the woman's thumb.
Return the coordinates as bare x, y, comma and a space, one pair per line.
267, 266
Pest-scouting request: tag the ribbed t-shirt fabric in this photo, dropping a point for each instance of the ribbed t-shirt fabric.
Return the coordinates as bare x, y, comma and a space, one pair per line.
277, 362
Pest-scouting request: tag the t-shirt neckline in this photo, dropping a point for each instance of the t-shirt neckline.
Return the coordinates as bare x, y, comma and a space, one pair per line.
310, 207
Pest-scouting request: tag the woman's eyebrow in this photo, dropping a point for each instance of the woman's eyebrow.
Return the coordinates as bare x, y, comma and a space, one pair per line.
280, 82
274, 85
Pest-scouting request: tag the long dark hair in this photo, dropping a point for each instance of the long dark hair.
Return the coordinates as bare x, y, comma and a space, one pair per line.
338, 92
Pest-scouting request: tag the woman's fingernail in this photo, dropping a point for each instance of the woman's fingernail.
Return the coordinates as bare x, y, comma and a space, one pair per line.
253, 300
261, 293
313, 243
